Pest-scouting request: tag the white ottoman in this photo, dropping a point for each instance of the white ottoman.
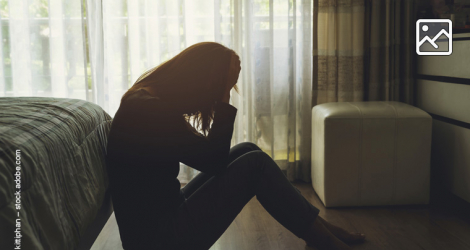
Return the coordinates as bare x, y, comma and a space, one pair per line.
370, 153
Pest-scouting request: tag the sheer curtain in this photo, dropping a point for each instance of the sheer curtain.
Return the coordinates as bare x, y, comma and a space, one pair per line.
96, 49
42, 49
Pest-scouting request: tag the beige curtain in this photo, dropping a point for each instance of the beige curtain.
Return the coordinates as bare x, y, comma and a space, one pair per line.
391, 55
363, 50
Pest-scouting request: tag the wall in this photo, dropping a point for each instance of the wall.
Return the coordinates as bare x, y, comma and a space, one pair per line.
443, 90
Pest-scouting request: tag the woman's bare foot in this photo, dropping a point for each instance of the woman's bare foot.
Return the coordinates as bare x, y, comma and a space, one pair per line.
320, 237
342, 234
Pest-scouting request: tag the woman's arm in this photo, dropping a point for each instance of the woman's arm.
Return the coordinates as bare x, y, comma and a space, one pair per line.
159, 137
209, 154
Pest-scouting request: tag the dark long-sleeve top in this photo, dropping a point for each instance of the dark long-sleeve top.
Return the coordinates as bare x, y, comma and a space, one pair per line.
147, 141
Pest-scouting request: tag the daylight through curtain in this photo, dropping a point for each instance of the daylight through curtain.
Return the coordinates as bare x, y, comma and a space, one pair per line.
95, 50
273, 39
42, 49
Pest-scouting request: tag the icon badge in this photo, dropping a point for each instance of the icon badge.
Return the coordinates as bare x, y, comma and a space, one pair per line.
434, 37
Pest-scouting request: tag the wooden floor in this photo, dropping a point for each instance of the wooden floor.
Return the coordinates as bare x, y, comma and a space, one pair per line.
445, 224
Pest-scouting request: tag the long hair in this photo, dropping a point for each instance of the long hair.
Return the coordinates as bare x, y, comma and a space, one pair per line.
191, 82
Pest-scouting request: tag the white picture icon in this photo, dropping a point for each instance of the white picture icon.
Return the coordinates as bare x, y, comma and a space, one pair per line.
434, 37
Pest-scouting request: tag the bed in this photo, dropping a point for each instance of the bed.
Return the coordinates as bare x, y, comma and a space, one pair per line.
53, 182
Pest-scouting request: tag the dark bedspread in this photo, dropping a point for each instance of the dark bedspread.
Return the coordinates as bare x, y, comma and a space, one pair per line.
61, 145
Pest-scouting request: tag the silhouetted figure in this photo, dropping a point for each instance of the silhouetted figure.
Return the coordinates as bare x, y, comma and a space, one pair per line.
151, 134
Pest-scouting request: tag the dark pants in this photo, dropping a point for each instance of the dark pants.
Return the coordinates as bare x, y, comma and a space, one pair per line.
213, 202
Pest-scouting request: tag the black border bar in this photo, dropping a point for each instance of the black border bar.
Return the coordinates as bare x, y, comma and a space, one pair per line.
450, 79
456, 39
450, 121
460, 31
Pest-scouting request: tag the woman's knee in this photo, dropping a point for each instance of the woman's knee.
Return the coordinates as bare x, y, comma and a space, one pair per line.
249, 164
255, 164
256, 159
250, 146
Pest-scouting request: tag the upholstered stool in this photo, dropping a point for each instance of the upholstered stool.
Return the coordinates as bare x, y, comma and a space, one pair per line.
370, 153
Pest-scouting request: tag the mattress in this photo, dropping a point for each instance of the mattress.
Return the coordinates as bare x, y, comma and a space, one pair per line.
52, 170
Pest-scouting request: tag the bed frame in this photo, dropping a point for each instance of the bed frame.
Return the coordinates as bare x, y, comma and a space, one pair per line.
94, 230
